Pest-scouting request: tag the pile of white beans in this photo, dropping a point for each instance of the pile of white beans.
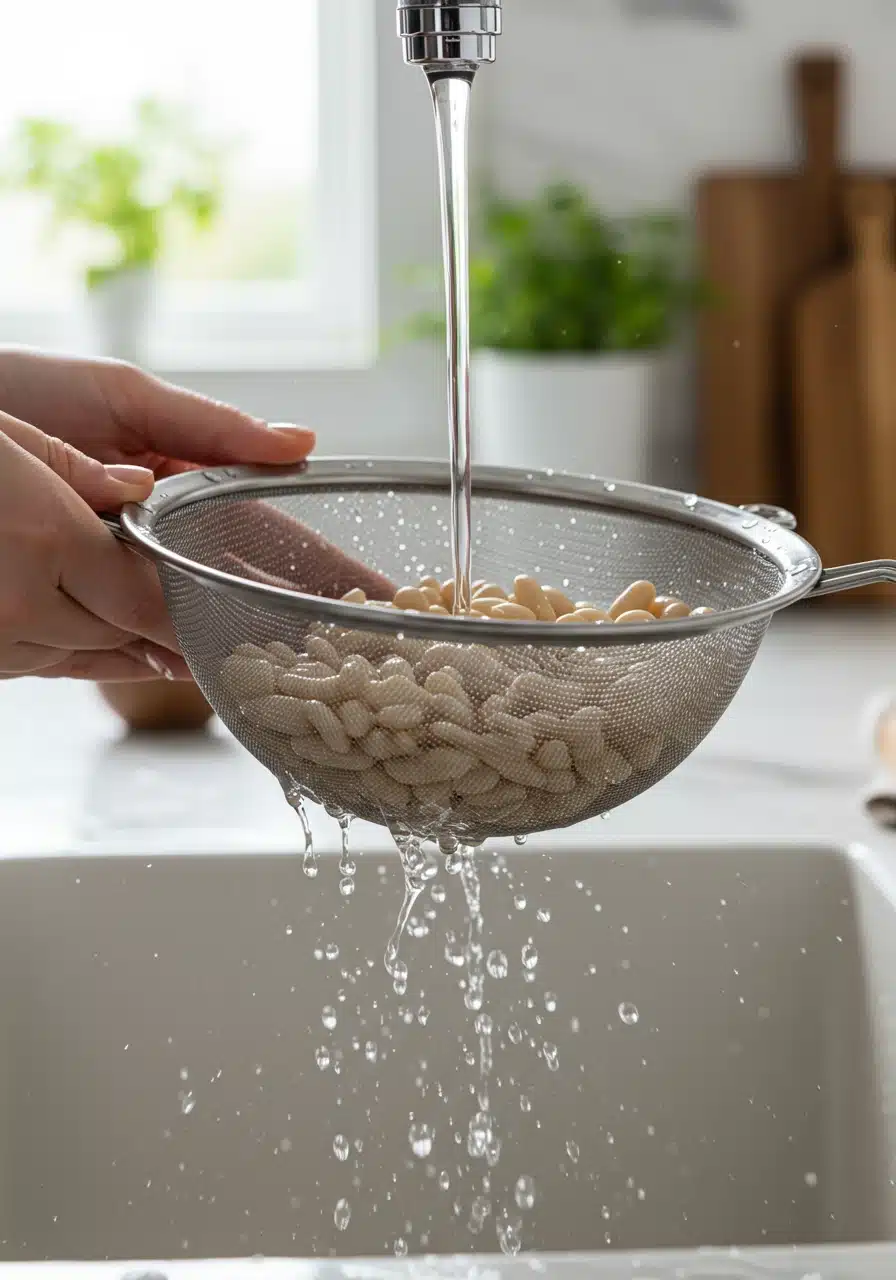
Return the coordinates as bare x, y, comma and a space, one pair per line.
451, 738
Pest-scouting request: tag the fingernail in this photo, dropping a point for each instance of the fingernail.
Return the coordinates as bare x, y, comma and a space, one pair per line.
157, 665
139, 478
301, 437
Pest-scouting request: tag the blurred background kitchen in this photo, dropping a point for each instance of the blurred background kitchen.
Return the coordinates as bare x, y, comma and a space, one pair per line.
683, 241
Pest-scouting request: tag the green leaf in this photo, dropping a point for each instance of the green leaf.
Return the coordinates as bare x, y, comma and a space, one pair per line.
554, 274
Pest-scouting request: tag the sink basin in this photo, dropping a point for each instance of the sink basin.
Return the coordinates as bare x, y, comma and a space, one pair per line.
722, 1016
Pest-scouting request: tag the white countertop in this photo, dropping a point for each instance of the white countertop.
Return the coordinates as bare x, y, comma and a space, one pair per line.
787, 760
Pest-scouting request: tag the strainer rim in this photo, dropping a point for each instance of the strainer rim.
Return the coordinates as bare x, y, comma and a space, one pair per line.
796, 559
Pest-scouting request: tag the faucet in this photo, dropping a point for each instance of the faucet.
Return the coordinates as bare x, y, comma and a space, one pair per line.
449, 37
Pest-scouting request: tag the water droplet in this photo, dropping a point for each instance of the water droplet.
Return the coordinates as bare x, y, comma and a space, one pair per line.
347, 886
480, 1135
524, 1192
520, 840
371, 1051
529, 955
572, 1150
519, 901
332, 951
810, 1179
445, 1180
515, 1033
438, 893
423, 1015
690, 501
400, 1248
609, 487
399, 977
550, 1055
543, 914
342, 1214
421, 1137
628, 1013
322, 1057
187, 1103
341, 1147
525, 1102
749, 524
510, 1232
550, 1001
328, 1016
483, 1024
454, 952
497, 964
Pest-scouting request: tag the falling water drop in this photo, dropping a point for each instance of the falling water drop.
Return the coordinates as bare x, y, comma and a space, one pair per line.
520, 840
342, 1214
341, 1147
543, 914
421, 1137
328, 1016
524, 1192
530, 955
309, 857
572, 1150
497, 964
550, 1055
322, 1057
628, 1013
509, 1234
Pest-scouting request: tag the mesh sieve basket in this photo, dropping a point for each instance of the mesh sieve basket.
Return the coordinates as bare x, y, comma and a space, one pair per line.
447, 727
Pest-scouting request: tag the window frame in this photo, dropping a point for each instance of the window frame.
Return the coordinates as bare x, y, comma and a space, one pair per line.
328, 321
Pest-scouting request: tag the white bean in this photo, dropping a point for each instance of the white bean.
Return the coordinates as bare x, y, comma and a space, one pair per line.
489, 590
396, 666
411, 598
328, 725
478, 781
553, 755
385, 790
355, 596
286, 656
558, 600
395, 689
322, 651
635, 615
640, 595
317, 752
560, 782
529, 594
401, 715
441, 707
245, 678
439, 764
357, 718
286, 715
446, 682
381, 744
675, 610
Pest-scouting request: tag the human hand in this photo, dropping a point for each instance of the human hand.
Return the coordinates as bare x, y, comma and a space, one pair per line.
73, 600
120, 415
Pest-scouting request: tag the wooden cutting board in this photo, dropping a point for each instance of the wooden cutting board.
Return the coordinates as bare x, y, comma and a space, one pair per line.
761, 233
845, 390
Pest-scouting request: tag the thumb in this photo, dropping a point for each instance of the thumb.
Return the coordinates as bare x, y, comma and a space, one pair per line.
103, 488
189, 427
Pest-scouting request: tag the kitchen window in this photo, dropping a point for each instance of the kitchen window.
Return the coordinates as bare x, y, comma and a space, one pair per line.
286, 279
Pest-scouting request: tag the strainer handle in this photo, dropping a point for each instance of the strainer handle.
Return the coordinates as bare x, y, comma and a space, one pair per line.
116, 528
848, 577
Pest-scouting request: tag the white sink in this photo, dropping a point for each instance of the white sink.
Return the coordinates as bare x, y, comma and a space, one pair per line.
749, 1105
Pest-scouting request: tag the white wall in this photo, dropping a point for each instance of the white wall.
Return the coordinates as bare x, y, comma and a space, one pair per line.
632, 109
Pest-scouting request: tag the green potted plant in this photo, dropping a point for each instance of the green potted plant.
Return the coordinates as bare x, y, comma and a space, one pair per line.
126, 192
571, 316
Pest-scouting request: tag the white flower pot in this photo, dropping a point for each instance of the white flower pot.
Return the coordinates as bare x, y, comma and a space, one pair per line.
119, 311
594, 415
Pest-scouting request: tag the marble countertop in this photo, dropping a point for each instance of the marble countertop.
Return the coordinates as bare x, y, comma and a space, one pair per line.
787, 760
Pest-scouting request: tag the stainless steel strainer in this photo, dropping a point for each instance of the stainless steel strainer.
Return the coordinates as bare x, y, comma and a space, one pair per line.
450, 727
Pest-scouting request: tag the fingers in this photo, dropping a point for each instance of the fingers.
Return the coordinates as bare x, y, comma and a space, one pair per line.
181, 424
103, 488
120, 665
